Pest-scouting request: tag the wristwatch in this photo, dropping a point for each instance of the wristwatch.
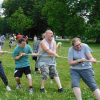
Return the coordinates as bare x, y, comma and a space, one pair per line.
79, 60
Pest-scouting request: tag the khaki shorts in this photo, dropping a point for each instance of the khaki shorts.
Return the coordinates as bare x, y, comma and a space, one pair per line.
48, 70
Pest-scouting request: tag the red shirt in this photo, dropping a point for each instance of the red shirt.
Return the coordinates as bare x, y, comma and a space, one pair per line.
18, 37
26, 38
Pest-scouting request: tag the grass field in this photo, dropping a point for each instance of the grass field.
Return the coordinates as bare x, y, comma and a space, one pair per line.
51, 88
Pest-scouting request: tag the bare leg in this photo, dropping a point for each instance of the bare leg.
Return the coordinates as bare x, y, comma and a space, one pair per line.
57, 80
43, 83
97, 93
77, 93
3, 45
29, 79
17, 79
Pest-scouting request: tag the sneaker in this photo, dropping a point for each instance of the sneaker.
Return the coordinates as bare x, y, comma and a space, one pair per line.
42, 90
60, 90
8, 88
31, 91
39, 70
18, 86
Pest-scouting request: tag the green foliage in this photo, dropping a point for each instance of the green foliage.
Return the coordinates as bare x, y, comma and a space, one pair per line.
75, 26
61, 18
32, 9
93, 32
57, 14
19, 22
1, 25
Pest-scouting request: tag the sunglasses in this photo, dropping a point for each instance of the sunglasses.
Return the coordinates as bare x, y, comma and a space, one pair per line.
78, 45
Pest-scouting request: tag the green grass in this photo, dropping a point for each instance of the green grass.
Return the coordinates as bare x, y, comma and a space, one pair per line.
51, 89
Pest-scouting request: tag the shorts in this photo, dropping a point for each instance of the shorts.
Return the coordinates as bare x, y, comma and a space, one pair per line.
87, 76
59, 45
34, 58
19, 71
48, 70
10, 43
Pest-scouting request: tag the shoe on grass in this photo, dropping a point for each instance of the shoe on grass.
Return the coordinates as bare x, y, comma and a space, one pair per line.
31, 91
18, 86
60, 90
42, 90
8, 88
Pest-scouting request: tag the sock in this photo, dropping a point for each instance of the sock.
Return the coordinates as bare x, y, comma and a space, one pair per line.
19, 83
31, 86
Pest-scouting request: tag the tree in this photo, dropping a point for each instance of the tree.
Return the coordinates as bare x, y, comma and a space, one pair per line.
63, 18
32, 9
19, 22
1, 25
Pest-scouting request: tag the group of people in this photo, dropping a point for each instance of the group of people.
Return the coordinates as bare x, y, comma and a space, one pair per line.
13, 39
79, 58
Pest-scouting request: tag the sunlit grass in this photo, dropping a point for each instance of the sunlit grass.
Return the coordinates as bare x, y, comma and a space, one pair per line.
51, 88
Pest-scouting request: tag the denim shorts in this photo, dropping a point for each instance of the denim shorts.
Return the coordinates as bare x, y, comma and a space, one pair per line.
48, 70
87, 76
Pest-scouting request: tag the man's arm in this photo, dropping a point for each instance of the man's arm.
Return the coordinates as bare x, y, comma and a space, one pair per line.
46, 48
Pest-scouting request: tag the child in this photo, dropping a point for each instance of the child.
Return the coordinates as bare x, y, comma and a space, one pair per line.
59, 45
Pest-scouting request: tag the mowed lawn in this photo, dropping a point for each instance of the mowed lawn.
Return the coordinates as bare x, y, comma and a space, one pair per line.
50, 87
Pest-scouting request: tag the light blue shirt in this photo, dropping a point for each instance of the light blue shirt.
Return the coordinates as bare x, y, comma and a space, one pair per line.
73, 54
24, 60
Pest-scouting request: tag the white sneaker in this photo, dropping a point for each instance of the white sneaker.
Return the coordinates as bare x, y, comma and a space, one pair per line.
8, 88
31, 91
39, 70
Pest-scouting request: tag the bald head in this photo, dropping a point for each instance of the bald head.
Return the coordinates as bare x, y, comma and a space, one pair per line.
49, 35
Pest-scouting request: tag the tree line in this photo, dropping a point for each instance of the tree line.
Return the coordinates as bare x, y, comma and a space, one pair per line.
64, 17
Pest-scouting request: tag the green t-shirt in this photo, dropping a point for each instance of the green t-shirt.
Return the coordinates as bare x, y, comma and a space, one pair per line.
24, 60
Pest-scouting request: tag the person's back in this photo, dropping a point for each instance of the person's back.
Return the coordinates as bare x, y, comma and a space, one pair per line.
19, 36
26, 38
35, 50
36, 46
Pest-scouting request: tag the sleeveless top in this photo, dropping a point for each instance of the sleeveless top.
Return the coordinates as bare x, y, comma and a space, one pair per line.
43, 59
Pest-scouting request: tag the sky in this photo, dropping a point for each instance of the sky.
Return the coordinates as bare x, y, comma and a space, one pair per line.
1, 10
1, 2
